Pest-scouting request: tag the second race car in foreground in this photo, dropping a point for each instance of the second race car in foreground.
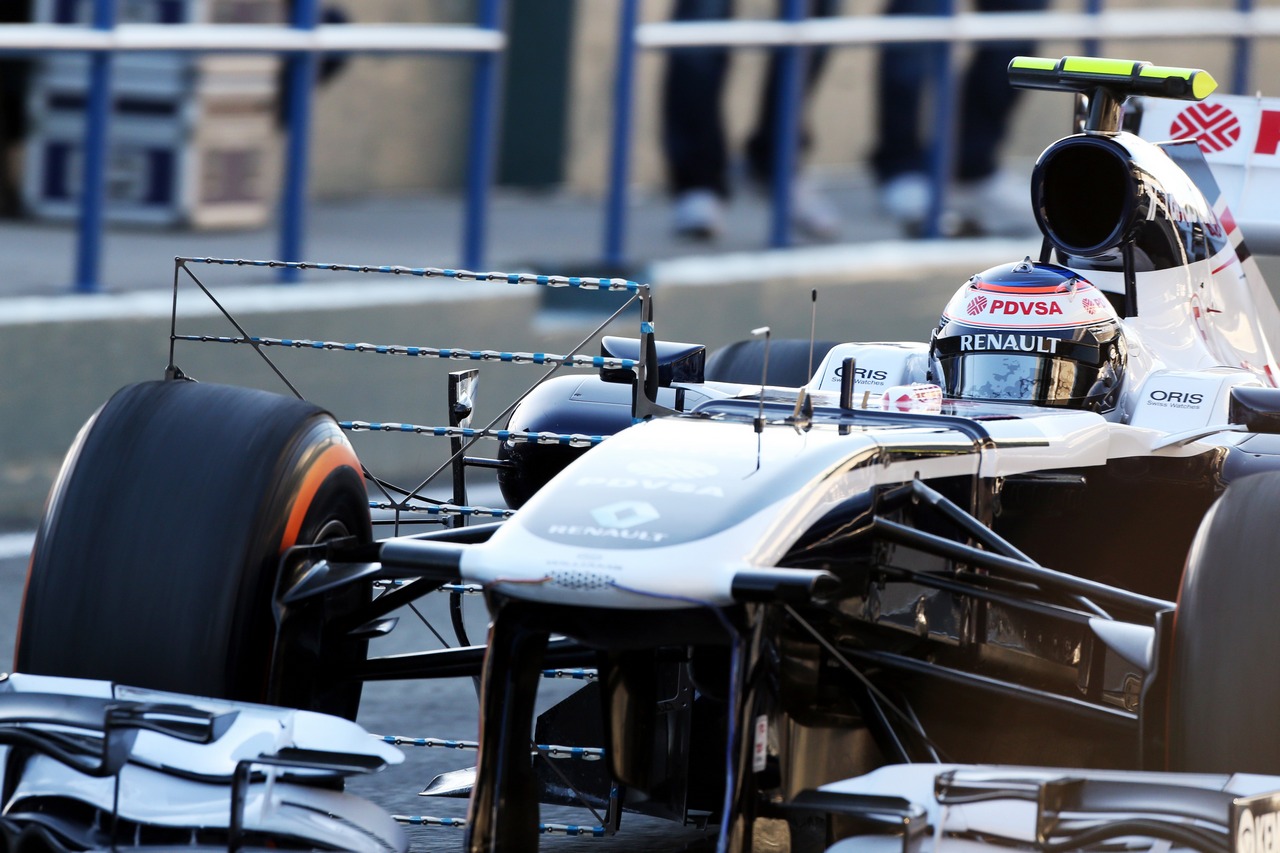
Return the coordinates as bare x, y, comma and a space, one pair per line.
961, 550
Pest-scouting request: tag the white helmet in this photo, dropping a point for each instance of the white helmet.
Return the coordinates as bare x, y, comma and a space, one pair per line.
1030, 333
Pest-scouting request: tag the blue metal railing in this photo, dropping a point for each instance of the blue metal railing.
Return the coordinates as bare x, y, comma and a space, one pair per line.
93, 187
793, 34
615, 215
1243, 55
942, 153
483, 129
300, 76
786, 135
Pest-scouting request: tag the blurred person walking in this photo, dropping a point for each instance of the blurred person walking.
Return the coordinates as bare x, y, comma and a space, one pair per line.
984, 199
694, 140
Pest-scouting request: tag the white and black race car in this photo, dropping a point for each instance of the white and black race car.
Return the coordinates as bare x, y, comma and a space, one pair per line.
1043, 538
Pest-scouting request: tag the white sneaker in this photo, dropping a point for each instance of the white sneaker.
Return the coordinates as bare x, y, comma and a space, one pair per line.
906, 199
812, 213
998, 206
698, 215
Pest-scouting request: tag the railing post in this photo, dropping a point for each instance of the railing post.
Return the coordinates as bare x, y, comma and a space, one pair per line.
93, 176
1092, 46
484, 95
786, 133
615, 217
300, 68
941, 155
1243, 56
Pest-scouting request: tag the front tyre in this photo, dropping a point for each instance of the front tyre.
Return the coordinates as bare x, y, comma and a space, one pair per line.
1224, 690
157, 558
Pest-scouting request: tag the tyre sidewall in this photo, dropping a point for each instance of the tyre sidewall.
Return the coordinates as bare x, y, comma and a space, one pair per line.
1224, 690
156, 562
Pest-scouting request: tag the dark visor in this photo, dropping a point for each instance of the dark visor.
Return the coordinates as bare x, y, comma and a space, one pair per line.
1017, 377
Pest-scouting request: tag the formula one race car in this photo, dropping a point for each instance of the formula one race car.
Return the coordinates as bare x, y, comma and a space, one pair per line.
168, 770
1041, 538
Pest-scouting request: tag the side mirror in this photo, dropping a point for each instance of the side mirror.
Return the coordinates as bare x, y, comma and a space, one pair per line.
1257, 409
677, 362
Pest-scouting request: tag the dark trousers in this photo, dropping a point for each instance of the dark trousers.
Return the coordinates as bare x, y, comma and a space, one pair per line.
693, 133
907, 73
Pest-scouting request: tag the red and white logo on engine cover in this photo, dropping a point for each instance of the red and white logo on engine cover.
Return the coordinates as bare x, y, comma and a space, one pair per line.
1213, 126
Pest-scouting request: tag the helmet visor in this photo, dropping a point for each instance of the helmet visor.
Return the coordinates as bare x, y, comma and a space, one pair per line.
1017, 377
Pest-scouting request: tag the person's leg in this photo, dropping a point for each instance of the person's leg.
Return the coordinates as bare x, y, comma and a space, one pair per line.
693, 135
988, 100
760, 145
904, 76
811, 213
900, 157
988, 199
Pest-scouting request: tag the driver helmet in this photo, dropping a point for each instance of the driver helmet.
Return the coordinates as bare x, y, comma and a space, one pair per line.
1030, 333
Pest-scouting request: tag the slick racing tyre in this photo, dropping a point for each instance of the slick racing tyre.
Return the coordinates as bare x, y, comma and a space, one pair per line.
157, 558
1224, 688
789, 363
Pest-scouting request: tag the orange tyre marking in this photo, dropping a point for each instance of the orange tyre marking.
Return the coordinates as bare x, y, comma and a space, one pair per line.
332, 458
26, 585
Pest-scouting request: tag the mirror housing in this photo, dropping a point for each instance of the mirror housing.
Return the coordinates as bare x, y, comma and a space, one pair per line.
1256, 408
677, 362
